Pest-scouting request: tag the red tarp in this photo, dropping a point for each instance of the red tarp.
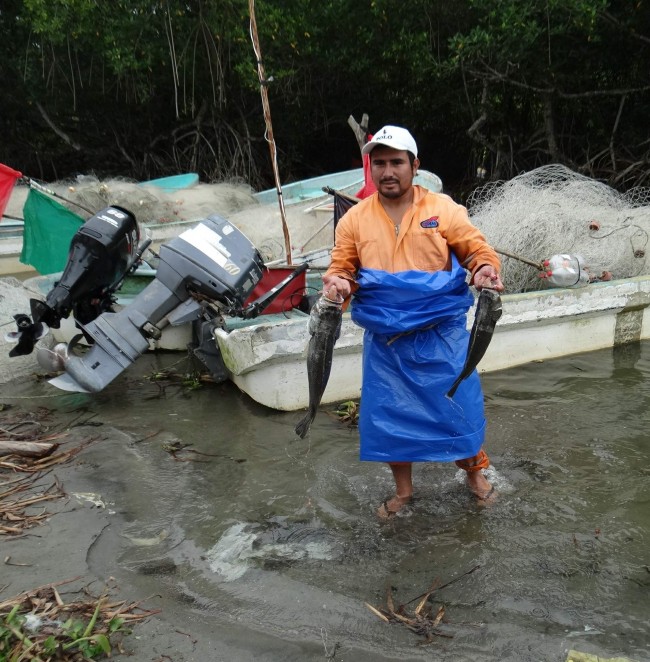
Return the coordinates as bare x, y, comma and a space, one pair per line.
368, 187
8, 178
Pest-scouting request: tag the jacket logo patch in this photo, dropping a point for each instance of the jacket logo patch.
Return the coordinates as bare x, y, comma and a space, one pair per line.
430, 222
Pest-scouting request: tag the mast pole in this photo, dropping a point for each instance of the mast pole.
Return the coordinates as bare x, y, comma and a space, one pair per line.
268, 135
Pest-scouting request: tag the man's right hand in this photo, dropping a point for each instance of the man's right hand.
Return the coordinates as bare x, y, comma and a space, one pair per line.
333, 285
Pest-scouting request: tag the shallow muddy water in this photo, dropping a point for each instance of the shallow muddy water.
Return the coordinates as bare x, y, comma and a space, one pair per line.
273, 535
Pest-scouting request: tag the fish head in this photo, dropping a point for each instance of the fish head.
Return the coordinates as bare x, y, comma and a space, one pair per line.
489, 303
324, 314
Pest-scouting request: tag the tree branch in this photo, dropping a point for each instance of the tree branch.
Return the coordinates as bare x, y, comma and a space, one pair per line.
615, 21
360, 130
64, 136
496, 75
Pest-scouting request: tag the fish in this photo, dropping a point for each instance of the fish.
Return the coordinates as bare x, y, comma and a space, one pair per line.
488, 312
324, 327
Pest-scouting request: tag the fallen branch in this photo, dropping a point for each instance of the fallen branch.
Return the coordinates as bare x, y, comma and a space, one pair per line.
423, 621
27, 448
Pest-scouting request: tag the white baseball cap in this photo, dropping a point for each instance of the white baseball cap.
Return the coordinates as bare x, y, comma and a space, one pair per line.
392, 136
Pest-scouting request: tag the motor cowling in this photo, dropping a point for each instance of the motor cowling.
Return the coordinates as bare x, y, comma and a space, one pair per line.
101, 253
212, 261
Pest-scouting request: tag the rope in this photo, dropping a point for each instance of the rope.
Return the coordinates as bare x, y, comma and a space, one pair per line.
44, 189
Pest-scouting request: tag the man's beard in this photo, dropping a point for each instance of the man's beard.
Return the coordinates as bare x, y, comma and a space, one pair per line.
395, 190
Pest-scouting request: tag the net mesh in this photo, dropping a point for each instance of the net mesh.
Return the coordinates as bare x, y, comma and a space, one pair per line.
554, 210
151, 204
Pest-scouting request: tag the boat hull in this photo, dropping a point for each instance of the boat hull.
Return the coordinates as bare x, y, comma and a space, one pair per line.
268, 360
266, 356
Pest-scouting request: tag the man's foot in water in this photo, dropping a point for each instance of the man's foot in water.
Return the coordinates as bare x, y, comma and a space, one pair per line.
480, 487
392, 506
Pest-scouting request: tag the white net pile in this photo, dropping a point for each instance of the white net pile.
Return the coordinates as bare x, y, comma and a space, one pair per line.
310, 224
151, 204
554, 210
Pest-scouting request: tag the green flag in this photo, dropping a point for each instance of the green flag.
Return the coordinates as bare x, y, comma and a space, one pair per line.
49, 228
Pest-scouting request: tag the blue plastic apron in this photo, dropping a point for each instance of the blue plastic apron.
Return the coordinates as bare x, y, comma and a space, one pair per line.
415, 344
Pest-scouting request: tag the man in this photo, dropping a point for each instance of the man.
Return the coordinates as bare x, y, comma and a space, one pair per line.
403, 252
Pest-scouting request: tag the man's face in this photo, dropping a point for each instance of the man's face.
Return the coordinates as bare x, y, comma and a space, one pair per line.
391, 171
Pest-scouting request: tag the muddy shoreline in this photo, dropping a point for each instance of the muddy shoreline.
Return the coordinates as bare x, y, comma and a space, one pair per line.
80, 536
562, 556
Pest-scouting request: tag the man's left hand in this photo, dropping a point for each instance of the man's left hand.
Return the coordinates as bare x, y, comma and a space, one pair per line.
487, 276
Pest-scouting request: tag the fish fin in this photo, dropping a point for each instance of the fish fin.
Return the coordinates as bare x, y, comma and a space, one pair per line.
303, 425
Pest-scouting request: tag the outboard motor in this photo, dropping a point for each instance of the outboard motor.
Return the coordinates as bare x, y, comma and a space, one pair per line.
213, 262
101, 253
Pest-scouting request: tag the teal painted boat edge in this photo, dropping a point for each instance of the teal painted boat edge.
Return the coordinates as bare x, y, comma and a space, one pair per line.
429, 180
346, 181
174, 182
312, 188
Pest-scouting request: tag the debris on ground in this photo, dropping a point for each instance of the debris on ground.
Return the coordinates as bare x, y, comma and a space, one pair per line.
39, 625
28, 452
576, 656
425, 620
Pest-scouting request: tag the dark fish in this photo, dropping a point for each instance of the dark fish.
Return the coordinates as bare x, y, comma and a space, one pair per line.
324, 327
488, 312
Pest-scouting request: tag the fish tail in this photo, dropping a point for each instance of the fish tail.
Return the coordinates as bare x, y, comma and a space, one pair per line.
303, 425
452, 390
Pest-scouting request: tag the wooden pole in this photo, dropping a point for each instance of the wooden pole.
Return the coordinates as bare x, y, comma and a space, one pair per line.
525, 260
269, 127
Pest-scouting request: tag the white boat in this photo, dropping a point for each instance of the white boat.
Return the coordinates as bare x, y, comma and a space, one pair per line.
267, 360
266, 356
11, 242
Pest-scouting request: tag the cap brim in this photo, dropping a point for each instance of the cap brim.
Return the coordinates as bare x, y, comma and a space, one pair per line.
369, 146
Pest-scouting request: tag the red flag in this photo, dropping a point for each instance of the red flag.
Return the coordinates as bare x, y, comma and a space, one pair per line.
368, 187
8, 177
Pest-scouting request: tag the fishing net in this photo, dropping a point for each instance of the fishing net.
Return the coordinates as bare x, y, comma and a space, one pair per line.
310, 224
151, 204
553, 210
262, 224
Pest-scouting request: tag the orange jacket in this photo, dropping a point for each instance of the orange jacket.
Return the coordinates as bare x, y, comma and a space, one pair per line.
432, 227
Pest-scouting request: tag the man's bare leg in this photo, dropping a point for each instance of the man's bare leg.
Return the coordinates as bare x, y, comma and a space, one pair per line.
476, 481
479, 485
402, 474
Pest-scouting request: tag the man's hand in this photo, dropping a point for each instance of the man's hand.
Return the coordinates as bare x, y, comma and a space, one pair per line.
333, 285
487, 276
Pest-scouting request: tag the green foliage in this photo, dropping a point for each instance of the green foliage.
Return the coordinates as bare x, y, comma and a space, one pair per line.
348, 412
151, 87
73, 636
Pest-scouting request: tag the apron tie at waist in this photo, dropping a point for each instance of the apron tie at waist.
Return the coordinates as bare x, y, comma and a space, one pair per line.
406, 333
